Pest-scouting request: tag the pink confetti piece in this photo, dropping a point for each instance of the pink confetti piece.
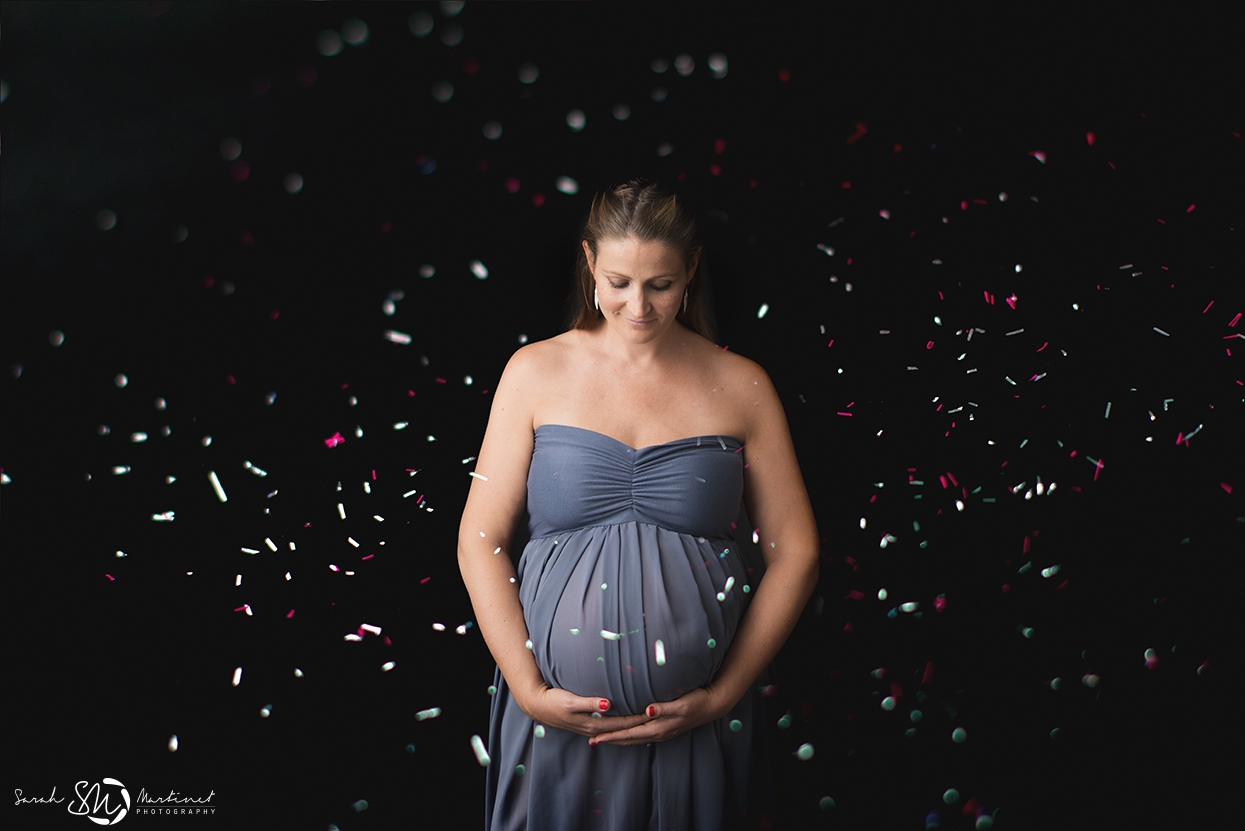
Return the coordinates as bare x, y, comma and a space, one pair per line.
424, 580
1235, 320
1039, 155
289, 614
1227, 488
1089, 139
849, 415
1208, 305
854, 595
929, 345
367, 557
859, 133
1190, 209
334, 440
113, 579
1043, 346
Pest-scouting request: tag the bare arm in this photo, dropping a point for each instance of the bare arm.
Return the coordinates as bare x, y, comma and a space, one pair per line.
778, 504
494, 505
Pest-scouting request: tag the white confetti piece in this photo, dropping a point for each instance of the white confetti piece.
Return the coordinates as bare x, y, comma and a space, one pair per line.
237, 676
660, 649
216, 486
272, 545
397, 337
431, 712
477, 747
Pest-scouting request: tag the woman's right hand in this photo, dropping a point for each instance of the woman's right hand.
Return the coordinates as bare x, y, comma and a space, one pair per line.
559, 708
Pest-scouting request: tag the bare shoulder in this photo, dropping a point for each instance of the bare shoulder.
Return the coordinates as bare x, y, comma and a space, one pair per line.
538, 357
743, 379
533, 364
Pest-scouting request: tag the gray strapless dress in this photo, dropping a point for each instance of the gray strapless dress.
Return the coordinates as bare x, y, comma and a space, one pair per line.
632, 589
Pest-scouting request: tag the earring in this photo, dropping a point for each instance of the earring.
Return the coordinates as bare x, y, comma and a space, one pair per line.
684, 301
596, 303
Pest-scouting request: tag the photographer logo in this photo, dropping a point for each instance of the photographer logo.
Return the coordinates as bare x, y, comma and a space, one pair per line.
107, 802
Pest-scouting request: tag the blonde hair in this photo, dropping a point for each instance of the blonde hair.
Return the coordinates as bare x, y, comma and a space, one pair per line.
642, 210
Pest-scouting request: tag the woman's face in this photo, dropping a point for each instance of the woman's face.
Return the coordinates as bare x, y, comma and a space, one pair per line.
639, 286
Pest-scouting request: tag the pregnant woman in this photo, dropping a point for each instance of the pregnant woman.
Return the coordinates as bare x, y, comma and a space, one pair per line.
629, 642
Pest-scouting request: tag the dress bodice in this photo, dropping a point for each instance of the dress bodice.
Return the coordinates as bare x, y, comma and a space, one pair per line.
580, 478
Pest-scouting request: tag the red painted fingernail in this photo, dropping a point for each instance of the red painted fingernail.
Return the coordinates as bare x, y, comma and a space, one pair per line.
652, 711
604, 704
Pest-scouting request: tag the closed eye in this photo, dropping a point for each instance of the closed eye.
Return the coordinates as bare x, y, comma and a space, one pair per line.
662, 287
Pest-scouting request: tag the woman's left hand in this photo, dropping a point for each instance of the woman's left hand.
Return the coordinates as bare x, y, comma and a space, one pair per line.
668, 719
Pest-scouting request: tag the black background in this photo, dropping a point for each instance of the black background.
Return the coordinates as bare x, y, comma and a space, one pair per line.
821, 122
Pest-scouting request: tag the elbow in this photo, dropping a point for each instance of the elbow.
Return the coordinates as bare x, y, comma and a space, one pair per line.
812, 572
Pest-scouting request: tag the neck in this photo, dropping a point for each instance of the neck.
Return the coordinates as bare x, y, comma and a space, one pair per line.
626, 353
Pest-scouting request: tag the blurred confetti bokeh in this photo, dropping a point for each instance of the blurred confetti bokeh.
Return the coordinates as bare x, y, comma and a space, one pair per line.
263, 264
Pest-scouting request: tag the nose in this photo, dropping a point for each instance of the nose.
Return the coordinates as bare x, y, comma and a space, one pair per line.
638, 304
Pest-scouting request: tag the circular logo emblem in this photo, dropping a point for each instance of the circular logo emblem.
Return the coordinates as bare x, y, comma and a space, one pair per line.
103, 803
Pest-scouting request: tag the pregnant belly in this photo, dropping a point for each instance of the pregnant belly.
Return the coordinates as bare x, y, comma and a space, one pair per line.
631, 612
